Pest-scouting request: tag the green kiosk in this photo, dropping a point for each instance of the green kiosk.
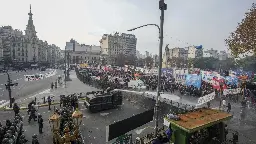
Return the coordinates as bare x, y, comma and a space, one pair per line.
199, 126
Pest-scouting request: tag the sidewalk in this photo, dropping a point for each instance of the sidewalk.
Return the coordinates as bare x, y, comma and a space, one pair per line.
73, 86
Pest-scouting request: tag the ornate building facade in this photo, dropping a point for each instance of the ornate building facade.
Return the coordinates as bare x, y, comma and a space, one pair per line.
27, 47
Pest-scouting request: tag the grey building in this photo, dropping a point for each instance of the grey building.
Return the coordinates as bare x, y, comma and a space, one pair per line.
27, 47
113, 45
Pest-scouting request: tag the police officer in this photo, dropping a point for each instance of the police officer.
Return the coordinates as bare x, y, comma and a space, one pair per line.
40, 123
52, 85
49, 100
16, 109
34, 139
32, 113
29, 106
56, 84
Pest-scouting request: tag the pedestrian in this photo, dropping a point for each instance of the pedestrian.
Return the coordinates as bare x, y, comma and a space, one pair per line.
16, 109
35, 139
40, 123
208, 104
229, 108
49, 102
224, 104
56, 84
52, 85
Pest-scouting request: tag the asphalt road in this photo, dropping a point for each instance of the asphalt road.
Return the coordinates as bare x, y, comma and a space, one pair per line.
25, 88
93, 127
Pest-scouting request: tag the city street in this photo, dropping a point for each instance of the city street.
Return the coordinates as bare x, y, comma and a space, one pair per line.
94, 125
24, 88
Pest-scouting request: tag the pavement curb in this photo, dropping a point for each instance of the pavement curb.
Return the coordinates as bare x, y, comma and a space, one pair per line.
6, 108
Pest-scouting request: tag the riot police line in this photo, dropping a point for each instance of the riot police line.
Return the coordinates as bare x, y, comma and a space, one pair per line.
7, 133
12, 132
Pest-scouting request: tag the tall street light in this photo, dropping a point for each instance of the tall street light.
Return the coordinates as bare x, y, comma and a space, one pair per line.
162, 7
8, 87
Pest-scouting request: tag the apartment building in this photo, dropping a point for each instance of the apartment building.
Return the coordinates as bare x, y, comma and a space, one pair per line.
27, 47
223, 55
82, 53
115, 44
210, 53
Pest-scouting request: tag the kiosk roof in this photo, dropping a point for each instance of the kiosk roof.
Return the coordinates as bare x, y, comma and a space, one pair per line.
199, 119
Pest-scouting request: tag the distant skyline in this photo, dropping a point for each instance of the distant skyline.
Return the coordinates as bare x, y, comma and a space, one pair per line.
196, 22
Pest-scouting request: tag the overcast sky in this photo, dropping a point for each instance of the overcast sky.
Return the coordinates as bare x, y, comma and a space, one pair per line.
187, 22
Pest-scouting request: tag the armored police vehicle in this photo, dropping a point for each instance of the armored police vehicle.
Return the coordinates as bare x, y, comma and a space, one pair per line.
97, 101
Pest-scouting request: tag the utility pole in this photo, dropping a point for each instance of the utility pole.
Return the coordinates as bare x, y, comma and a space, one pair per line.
65, 72
68, 66
162, 7
8, 87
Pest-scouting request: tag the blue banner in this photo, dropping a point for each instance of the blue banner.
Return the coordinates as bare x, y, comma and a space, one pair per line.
194, 80
231, 80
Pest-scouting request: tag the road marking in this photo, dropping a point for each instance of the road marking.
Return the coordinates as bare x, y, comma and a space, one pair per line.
2, 84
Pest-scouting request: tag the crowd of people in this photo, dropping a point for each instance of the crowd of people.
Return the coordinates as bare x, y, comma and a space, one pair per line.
119, 79
12, 132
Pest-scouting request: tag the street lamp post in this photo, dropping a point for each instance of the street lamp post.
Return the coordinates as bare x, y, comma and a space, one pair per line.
162, 7
8, 87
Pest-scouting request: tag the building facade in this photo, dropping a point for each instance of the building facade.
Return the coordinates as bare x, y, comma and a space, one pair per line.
116, 44
210, 53
27, 47
81, 53
223, 55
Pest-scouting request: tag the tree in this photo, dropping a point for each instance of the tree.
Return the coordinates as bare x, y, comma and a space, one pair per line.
243, 39
149, 61
190, 63
206, 63
248, 63
141, 62
120, 60
130, 60
176, 62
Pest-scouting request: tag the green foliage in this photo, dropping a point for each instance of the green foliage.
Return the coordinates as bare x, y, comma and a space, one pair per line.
242, 40
149, 61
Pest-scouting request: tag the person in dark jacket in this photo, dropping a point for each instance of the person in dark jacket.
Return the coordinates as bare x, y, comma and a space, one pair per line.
40, 123
16, 109
49, 100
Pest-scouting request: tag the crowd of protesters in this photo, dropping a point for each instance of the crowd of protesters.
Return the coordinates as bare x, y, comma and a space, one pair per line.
119, 79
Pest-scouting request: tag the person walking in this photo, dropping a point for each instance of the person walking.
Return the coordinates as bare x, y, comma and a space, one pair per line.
49, 100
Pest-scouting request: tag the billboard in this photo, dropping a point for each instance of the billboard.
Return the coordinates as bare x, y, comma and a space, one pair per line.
69, 46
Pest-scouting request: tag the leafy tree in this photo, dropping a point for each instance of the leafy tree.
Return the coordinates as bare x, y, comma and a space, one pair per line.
149, 61
243, 39
177, 62
191, 63
130, 60
248, 63
120, 60
206, 63
141, 62
7, 61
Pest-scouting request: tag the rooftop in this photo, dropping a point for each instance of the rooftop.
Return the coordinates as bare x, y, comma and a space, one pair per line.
196, 120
